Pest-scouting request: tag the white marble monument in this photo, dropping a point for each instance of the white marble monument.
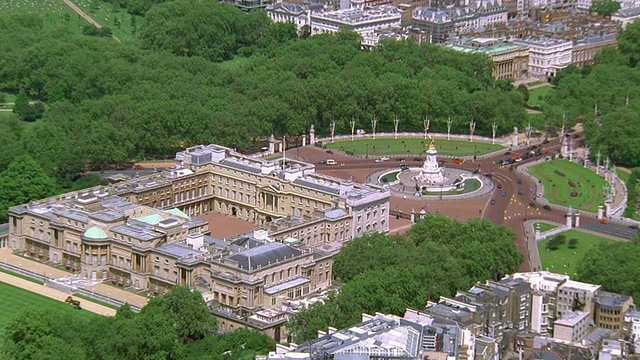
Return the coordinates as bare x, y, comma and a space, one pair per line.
430, 172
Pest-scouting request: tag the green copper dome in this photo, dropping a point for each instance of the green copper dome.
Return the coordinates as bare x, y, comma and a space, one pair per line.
95, 233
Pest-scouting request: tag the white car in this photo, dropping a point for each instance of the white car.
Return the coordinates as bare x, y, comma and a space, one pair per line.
379, 160
384, 158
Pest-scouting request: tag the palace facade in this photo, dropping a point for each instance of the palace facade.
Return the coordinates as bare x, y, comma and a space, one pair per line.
143, 234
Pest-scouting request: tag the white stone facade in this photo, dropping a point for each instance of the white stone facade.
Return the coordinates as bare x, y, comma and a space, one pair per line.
289, 12
365, 22
546, 56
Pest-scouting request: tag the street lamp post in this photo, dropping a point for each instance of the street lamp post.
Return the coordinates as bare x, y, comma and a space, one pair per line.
475, 153
494, 129
353, 127
332, 128
367, 152
472, 129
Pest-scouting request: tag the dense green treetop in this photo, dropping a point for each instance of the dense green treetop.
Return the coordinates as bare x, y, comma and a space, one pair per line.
604, 7
382, 273
614, 266
22, 182
109, 102
187, 312
612, 85
36, 334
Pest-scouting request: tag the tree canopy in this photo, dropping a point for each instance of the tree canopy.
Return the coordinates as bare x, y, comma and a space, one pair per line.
614, 266
604, 7
35, 334
23, 181
109, 102
383, 273
604, 98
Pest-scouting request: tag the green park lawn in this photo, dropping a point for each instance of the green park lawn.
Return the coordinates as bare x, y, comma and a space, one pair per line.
537, 95
625, 177
544, 226
122, 24
14, 298
56, 13
555, 260
412, 146
570, 184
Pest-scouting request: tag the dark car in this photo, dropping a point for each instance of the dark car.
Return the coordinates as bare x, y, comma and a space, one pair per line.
519, 181
519, 191
329, 152
547, 207
499, 186
322, 162
493, 202
417, 159
504, 193
532, 204
399, 159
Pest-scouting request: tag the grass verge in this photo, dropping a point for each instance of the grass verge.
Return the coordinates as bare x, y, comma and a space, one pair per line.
544, 226
412, 147
565, 260
14, 299
537, 95
569, 184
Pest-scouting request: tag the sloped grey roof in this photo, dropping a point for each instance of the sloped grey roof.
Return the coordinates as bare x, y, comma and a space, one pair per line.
435, 15
241, 166
316, 186
628, 12
335, 213
292, 8
264, 255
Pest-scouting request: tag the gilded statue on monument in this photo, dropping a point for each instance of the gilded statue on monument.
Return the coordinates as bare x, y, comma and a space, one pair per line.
432, 144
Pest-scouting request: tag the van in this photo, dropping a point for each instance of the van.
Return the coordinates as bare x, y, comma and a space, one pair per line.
332, 162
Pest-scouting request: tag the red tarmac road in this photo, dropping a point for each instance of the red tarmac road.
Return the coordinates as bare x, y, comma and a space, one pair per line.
510, 210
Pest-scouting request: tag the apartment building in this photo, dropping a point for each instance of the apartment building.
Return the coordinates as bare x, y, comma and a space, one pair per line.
417, 335
631, 327
585, 49
298, 14
626, 16
544, 287
610, 309
249, 5
438, 25
511, 60
572, 327
547, 56
365, 21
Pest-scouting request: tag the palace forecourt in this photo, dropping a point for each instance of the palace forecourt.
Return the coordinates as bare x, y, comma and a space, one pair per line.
144, 234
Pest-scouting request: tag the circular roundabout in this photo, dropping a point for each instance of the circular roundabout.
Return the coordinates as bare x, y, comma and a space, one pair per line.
432, 179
